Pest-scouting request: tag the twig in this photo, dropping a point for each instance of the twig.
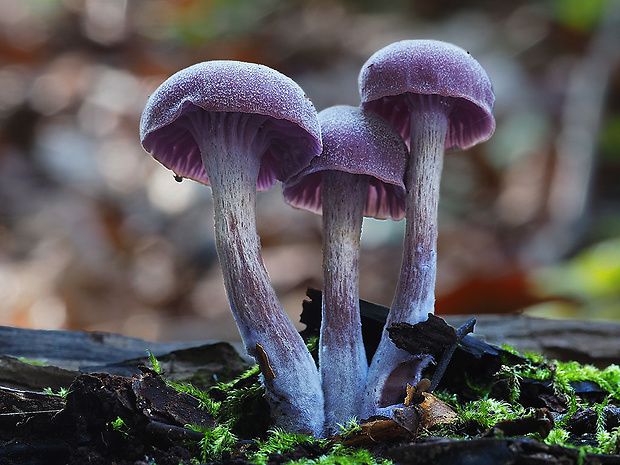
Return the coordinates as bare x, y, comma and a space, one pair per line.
447, 354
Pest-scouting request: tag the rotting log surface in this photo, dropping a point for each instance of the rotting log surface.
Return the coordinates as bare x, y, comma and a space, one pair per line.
72, 350
594, 342
493, 451
39, 427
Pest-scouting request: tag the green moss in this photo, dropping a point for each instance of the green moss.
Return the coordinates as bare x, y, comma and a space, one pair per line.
120, 426
206, 402
32, 361
573, 405
488, 412
344, 456
348, 428
609, 441
247, 374
154, 362
281, 442
216, 441
562, 376
62, 392
312, 343
478, 390
535, 367
238, 399
234, 407
568, 372
513, 377
557, 436
532, 357
241, 404
449, 398
220, 441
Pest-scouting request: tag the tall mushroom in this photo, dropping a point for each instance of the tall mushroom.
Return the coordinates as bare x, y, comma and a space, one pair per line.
238, 127
360, 173
439, 98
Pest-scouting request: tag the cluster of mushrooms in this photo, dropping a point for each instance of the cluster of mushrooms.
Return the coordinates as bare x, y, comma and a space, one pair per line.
239, 127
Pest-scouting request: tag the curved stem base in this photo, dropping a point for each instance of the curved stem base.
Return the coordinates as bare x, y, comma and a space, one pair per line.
290, 376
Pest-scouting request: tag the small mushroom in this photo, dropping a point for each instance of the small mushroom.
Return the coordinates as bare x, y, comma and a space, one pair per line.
439, 98
359, 173
238, 127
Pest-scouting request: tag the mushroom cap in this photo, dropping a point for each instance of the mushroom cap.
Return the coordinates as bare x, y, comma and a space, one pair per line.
430, 67
290, 133
360, 143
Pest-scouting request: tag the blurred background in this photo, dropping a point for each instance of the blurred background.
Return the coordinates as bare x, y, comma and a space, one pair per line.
95, 235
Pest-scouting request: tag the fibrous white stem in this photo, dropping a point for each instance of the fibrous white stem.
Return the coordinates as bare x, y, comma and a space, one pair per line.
342, 357
290, 375
392, 368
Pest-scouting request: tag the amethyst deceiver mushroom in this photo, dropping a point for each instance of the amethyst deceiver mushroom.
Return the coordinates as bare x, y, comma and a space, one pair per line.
359, 173
439, 98
238, 127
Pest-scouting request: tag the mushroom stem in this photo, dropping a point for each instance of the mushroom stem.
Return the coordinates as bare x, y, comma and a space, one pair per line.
342, 357
415, 292
392, 368
290, 375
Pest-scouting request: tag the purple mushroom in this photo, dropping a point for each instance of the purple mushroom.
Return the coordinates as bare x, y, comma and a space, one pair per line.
439, 98
360, 173
238, 127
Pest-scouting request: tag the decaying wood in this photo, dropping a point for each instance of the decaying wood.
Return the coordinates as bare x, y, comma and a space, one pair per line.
540, 422
493, 451
436, 412
74, 349
594, 342
20, 375
430, 337
159, 402
17, 406
375, 432
78, 430
35, 426
146, 397
159, 416
405, 424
